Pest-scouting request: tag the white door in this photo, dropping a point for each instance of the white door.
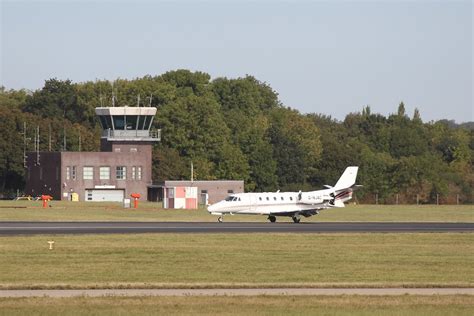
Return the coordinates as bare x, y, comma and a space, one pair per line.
104, 195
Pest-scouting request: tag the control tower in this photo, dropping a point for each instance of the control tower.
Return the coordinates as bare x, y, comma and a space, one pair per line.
126, 125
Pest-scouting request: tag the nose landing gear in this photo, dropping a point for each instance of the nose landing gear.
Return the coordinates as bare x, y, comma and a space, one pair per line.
296, 219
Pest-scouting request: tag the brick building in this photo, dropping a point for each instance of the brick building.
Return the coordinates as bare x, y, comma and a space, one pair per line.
209, 191
123, 166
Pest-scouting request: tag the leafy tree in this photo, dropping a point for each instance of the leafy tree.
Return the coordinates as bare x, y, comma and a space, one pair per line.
296, 147
56, 99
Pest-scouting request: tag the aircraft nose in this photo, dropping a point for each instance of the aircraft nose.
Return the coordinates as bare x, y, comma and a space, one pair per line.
211, 208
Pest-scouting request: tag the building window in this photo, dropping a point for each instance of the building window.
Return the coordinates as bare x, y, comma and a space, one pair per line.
203, 191
133, 150
139, 173
74, 173
230, 191
117, 150
121, 173
104, 173
88, 173
68, 173
41, 173
136, 173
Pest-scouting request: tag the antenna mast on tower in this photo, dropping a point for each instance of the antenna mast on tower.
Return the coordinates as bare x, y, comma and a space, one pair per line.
49, 145
113, 95
25, 143
64, 139
37, 145
151, 98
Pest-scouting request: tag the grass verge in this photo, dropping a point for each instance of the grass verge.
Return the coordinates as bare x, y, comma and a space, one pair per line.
218, 260
259, 305
147, 211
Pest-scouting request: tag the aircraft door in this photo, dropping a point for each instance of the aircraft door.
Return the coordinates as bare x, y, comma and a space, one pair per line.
252, 203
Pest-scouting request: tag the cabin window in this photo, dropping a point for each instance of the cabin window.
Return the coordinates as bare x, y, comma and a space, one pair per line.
275, 198
291, 198
268, 199
260, 198
238, 199
230, 191
282, 198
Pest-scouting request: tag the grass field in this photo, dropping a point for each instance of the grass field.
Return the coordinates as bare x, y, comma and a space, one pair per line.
237, 260
260, 305
82, 211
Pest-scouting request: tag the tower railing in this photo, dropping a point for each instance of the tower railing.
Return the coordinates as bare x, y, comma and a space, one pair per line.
151, 135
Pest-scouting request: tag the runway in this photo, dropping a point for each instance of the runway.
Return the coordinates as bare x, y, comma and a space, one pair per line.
30, 228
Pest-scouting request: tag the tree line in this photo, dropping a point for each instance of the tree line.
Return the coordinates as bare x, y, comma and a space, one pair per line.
238, 129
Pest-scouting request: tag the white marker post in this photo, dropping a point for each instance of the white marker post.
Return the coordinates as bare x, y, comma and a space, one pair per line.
51, 243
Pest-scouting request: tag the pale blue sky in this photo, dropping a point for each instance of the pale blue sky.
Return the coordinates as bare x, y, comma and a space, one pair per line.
329, 57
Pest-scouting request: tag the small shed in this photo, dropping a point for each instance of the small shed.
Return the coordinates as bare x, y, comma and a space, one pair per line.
180, 197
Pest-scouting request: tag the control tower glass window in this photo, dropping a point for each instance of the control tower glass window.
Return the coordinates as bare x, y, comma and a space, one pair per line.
119, 122
131, 122
105, 121
147, 122
141, 122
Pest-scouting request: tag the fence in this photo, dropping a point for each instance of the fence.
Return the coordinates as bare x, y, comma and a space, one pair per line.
417, 199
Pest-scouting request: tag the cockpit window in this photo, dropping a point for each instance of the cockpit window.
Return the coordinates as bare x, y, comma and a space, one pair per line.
232, 198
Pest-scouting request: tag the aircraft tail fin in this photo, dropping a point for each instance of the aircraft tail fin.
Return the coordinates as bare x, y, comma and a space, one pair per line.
348, 178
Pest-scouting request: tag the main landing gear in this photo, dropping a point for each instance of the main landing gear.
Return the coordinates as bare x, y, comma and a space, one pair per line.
296, 219
272, 218
220, 219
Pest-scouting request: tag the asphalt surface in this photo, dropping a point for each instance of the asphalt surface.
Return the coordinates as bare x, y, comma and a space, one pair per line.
235, 292
29, 228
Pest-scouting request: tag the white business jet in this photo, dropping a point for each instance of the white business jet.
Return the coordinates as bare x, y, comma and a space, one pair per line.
292, 204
